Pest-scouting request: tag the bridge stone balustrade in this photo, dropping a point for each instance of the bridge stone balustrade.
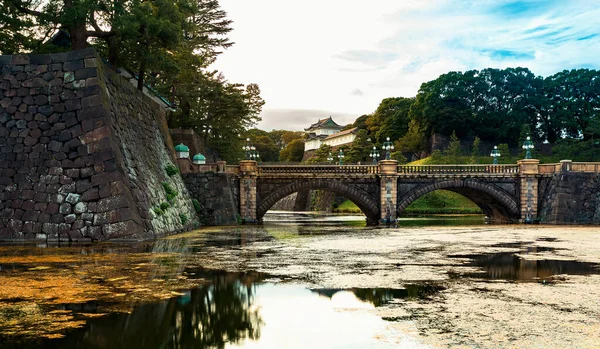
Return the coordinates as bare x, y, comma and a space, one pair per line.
278, 170
512, 193
458, 169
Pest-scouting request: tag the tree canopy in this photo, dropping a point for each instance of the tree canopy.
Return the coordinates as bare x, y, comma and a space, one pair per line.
495, 104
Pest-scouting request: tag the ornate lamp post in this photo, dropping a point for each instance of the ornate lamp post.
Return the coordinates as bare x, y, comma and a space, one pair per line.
330, 158
387, 146
528, 145
375, 155
495, 154
247, 148
341, 156
254, 155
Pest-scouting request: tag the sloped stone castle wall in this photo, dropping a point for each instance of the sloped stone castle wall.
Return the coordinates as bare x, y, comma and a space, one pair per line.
570, 198
83, 154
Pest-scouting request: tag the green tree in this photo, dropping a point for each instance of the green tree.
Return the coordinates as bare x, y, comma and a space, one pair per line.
293, 152
397, 155
266, 148
454, 149
475, 150
437, 157
151, 31
360, 148
572, 101
413, 141
504, 152
592, 131
390, 119
321, 155
361, 122
443, 105
525, 132
491, 103
219, 111
36, 21
284, 137
14, 28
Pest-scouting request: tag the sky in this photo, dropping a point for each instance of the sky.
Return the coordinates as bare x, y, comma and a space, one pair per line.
318, 58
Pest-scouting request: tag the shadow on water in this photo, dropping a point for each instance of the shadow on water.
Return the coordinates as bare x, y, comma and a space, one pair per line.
441, 220
514, 266
319, 219
313, 219
211, 315
382, 296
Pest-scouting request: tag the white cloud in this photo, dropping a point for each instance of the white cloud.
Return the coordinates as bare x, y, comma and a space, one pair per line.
315, 54
299, 119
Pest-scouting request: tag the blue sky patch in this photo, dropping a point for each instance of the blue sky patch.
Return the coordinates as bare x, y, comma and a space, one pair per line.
509, 54
514, 9
587, 37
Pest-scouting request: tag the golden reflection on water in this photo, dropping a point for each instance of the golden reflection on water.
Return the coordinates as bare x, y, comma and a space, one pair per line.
34, 280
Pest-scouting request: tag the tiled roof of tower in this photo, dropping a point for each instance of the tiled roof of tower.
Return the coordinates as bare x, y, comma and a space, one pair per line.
324, 123
339, 134
313, 135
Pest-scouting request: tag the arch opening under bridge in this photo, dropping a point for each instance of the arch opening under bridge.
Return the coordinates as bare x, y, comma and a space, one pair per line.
366, 202
495, 203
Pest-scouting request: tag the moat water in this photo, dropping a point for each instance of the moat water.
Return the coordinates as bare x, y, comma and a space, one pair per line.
306, 280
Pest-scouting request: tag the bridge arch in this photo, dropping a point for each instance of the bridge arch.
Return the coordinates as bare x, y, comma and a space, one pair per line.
367, 203
493, 201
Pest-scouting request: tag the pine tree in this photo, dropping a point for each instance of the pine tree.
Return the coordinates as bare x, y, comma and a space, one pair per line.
454, 151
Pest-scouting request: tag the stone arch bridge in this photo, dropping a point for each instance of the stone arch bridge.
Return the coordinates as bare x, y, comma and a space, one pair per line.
510, 193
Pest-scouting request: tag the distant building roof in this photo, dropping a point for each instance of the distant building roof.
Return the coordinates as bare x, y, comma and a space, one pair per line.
313, 136
342, 133
61, 39
324, 123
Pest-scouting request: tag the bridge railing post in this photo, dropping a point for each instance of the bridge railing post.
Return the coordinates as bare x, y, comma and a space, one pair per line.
248, 183
388, 184
529, 173
565, 165
221, 166
185, 165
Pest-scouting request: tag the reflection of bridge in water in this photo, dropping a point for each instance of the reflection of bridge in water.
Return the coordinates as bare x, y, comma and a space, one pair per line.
384, 190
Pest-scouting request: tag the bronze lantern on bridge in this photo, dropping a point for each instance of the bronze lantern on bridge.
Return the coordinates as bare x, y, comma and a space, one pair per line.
495, 154
375, 155
528, 145
388, 147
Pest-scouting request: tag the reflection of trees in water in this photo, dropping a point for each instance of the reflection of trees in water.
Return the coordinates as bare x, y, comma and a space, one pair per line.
508, 266
381, 296
206, 317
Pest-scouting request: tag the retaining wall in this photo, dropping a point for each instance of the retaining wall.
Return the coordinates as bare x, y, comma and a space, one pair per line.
82, 153
570, 198
217, 195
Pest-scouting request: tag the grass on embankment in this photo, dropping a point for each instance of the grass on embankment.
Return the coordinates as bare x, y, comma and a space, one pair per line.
482, 160
437, 202
442, 202
347, 207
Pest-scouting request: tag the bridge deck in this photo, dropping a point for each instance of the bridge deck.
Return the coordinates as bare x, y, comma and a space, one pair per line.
333, 171
374, 170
